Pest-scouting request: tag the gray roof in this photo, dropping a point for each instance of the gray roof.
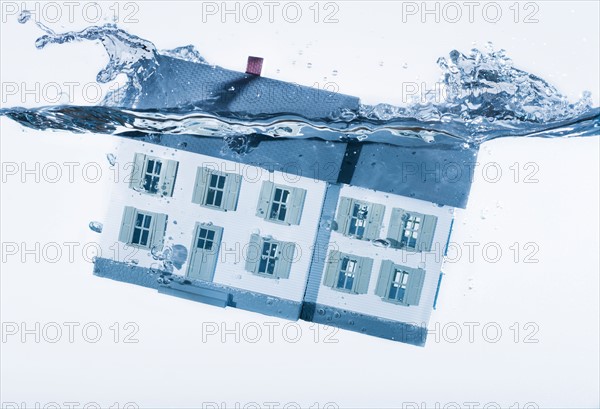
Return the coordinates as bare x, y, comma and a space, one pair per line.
437, 174
440, 173
217, 89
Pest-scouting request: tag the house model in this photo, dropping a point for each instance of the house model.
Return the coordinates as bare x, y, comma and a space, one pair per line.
340, 232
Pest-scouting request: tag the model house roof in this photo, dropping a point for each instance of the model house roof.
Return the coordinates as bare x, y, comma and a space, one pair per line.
440, 173
178, 82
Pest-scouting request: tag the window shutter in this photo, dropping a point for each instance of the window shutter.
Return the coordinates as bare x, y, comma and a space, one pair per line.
385, 278
332, 268
137, 171
200, 185
127, 224
395, 228
232, 191
343, 214
253, 253
159, 225
168, 177
365, 265
264, 201
296, 204
285, 259
416, 276
426, 233
374, 223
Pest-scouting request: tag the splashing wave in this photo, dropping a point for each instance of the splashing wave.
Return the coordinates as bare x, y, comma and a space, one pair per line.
485, 97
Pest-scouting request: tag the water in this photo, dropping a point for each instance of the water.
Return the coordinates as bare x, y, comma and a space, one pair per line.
486, 97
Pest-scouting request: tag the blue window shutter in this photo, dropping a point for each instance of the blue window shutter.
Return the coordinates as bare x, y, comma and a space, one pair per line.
426, 232
253, 253
159, 225
169, 175
416, 276
127, 224
385, 278
285, 259
342, 216
199, 195
396, 226
365, 265
375, 217
137, 170
332, 268
232, 191
296, 204
264, 201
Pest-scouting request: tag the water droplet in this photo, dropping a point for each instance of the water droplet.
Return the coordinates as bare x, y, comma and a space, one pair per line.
182, 145
232, 88
321, 311
351, 322
112, 159
24, 17
337, 315
96, 226
405, 65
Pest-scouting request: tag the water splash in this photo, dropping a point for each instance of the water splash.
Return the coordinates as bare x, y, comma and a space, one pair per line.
483, 96
96, 226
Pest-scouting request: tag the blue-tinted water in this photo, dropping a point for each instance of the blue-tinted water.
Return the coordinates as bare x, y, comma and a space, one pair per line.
486, 98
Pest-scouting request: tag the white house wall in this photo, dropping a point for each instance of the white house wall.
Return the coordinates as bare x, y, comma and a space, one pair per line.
431, 262
237, 225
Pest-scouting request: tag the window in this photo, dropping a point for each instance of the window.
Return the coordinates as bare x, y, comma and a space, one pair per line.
398, 284
359, 219
268, 257
204, 252
153, 175
217, 190
281, 204
140, 228
205, 239
348, 273
411, 230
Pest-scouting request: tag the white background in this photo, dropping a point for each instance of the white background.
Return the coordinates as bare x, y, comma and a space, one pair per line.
172, 365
